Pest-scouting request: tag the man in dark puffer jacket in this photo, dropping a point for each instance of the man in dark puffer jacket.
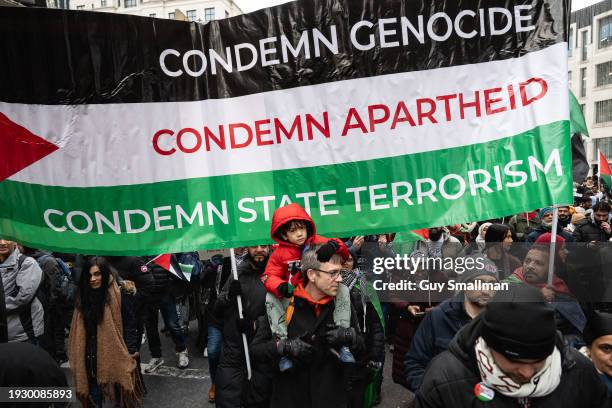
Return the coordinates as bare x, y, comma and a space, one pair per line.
511, 356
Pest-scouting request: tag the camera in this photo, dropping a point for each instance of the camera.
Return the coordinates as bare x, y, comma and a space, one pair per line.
371, 238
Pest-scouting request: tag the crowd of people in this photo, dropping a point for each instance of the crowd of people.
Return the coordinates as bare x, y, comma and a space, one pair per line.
303, 326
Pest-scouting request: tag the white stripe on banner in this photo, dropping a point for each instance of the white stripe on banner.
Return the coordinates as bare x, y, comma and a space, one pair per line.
112, 144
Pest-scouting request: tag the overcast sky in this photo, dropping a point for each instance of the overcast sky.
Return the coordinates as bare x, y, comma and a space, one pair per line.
252, 5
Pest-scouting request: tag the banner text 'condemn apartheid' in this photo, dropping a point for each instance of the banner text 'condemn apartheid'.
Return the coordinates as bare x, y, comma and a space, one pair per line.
423, 111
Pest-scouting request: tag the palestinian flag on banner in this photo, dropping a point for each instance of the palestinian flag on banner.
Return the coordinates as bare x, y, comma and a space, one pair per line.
132, 135
171, 264
604, 172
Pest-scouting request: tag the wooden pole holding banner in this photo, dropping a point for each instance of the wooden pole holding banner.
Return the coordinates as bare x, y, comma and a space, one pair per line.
553, 244
245, 343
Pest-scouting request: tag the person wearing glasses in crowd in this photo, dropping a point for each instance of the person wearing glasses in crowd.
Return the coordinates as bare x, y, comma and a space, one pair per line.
319, 378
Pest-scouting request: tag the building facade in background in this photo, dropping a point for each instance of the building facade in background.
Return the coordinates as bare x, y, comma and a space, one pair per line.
590, 73
200, 11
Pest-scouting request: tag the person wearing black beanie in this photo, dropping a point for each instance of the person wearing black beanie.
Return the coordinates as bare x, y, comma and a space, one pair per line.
512, 356
598, 336
504, 325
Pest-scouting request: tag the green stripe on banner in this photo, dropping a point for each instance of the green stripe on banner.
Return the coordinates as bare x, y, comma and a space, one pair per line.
212, 212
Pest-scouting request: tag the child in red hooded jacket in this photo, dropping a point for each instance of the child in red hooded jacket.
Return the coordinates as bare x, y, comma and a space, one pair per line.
295, 231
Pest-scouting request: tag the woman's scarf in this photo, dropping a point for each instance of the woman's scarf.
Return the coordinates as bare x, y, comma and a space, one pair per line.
117, 374
542, 383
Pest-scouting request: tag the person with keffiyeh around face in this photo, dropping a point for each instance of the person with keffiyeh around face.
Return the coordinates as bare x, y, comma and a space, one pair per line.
512, 356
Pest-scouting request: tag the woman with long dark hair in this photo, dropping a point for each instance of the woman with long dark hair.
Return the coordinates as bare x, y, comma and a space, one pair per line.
103, 342
498, 240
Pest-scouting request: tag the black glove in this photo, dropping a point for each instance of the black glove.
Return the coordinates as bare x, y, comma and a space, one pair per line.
245, 326
340, 336
295, 348
285, 289
234, 289
328, 250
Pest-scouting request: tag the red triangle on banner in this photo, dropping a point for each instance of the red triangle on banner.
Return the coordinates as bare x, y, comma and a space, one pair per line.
19, 147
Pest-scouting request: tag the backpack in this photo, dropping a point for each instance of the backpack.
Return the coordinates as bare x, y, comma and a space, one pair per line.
64, 286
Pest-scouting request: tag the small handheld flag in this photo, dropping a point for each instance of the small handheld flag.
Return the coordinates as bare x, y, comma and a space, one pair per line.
605, 173
170, 263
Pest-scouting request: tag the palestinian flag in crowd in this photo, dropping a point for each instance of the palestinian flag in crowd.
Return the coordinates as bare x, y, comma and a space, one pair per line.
604, 171
171, 264
131, 135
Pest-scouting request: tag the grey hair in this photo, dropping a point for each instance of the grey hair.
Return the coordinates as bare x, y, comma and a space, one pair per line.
310, 261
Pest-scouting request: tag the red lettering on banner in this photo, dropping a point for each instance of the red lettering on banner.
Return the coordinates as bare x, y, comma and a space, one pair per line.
523, 89
219, 141
463, 105
373, 119
512, 97
489, 101
447, 99
179, 140
324, 129
428, 113
353, 113
156, 147
232, 130
401, 109
259, 132
296, 126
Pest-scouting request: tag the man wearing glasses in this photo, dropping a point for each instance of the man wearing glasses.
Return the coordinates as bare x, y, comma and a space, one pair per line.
318, 378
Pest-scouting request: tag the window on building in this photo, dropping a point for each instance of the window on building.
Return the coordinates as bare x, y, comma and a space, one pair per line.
583, 82
569, 79
102, 3
570, 43
153, 15
171, 16
583, 44
605, 145
191, 15
603, 111
605, 32
209, 14
130, 3
583, 108
226, 14
604, 73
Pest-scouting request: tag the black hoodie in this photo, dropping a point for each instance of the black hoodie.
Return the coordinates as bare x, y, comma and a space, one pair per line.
452, 375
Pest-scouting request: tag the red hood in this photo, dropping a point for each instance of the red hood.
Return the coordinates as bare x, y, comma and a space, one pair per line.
558, 284
291, 212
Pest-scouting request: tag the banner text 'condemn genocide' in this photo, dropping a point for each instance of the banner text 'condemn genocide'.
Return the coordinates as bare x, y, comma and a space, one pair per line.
364, 36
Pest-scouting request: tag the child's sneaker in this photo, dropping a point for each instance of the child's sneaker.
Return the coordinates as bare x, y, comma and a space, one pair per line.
285, 364
346, 356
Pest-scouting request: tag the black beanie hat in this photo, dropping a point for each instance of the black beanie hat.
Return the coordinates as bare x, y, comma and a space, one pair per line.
598, 325
519, 324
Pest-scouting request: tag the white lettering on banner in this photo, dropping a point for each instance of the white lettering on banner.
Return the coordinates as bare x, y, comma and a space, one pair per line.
391, 32
376, 197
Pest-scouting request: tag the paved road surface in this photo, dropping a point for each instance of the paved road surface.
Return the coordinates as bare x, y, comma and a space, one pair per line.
188, 388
